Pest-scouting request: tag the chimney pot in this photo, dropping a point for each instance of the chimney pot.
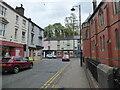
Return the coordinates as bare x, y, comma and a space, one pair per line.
94, 5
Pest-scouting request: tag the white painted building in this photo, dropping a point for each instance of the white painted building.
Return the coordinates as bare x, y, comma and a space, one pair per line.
13, 30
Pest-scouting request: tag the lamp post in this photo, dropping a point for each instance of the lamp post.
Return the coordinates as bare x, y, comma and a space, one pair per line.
73, 9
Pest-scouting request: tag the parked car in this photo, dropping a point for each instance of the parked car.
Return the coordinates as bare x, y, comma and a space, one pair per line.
65, 58
15, 64
50, 56
1, 58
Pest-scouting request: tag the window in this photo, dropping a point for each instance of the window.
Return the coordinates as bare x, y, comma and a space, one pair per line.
48, 47
58, 42
117, 36
2, 10
100, 43
101, 17
78, 47
104, 43
92, 26
16, 30
93, 45
68, 42
39, 40
17, 18
116, 7
40, 32
23, 36
58, 47
32, 28
87, 34
2, 29
78, 41
68, 47
48, 42
32, 38
24, 59
18, 59
24, 22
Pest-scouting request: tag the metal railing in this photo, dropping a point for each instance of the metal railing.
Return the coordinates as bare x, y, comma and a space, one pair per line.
92, 66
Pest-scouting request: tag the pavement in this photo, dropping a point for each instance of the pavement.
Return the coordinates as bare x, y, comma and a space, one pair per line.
73, 77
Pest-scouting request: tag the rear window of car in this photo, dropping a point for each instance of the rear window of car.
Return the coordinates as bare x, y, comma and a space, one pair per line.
66, 56
6, 59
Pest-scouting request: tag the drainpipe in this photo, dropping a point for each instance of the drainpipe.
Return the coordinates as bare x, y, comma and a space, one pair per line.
27, 45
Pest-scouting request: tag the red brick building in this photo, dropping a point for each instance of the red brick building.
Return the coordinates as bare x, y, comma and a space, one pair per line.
101, 34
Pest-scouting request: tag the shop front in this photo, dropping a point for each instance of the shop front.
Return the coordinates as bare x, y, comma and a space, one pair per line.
11, 49
60, 53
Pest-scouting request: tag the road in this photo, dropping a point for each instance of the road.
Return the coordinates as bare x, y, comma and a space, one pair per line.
44, 74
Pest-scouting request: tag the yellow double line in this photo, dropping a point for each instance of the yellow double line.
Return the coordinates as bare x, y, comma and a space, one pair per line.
48, 83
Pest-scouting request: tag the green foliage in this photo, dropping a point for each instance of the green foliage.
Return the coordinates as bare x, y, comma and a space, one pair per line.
57, 30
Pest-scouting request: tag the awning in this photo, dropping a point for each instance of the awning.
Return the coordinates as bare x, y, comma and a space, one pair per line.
39, 47
77, 50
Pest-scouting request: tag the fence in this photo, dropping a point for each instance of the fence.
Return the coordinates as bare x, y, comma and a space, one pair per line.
92, 66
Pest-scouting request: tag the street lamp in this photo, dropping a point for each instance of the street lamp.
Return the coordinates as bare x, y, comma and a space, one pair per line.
73, 9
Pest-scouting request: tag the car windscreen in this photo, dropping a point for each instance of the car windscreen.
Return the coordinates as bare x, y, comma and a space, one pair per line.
6, 59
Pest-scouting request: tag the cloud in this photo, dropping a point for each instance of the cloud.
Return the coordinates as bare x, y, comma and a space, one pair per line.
45, 12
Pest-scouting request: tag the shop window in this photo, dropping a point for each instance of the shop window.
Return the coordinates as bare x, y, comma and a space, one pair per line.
59, 53
71, 53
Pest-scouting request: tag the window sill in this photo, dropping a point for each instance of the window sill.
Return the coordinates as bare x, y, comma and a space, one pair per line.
117, 48
115, 14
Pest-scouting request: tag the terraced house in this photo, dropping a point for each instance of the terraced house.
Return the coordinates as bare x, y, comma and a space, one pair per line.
62, 45
14, 29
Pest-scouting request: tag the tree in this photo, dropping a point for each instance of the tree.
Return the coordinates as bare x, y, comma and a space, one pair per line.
48, 31
58, 29
70, 25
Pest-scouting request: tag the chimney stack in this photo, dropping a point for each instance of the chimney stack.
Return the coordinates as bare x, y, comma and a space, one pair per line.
20, 10
94, 5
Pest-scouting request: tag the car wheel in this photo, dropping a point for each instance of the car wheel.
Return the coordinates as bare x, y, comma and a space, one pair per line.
31, 65
16, 69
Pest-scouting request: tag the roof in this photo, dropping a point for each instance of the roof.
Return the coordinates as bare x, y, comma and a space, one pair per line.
62, 38
19, 14
101, 3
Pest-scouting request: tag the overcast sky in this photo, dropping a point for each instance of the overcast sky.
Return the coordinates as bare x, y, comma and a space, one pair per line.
45, 12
